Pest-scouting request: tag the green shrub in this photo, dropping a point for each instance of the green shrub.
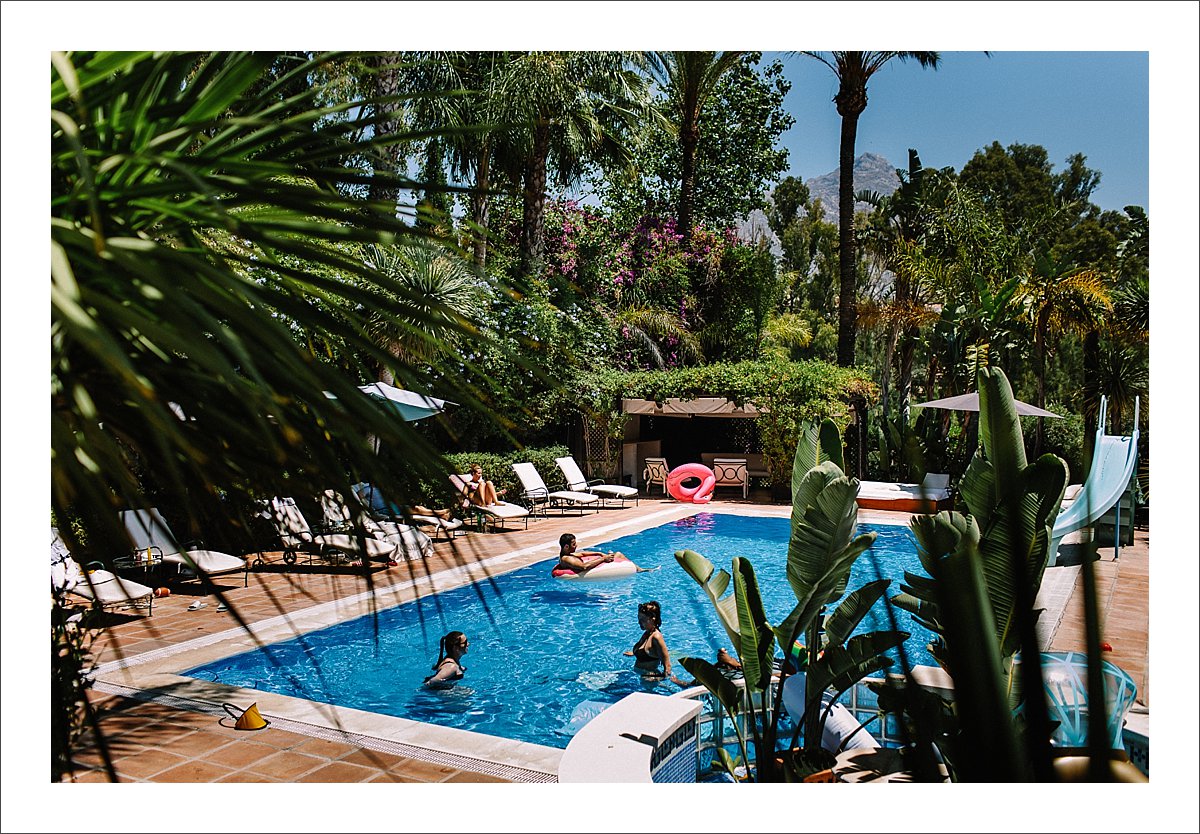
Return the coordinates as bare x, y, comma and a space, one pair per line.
1065, 438
786, 392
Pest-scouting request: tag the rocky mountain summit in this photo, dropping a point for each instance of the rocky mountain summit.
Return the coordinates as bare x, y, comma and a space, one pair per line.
871, 173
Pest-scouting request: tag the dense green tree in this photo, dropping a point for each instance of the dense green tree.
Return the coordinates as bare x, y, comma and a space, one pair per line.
808, 260
853, 71
385, 70
737, 155
1058, 298
692, 78
442, 299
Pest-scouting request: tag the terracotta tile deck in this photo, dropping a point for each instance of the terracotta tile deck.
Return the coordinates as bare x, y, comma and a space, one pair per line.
152, 742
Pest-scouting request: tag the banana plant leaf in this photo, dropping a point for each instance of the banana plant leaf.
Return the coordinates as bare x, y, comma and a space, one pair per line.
818, 443
850, 612
757, 644
840, 667
714, 582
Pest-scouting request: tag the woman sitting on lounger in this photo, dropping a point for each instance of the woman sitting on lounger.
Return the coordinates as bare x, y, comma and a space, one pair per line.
480, 491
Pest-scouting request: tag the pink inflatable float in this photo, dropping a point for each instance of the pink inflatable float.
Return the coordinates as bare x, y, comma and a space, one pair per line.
701, 494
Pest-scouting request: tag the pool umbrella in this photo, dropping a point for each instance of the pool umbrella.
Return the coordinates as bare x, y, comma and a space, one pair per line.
970, 402
408, 404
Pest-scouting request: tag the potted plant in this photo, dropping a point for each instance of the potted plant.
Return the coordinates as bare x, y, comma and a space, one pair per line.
821, 552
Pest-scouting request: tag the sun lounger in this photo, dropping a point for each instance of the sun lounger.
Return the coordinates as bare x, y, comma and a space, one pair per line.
411, 542
381, 510
578, 483
102, 588
498, 513
336, 548
148, 531
537, 494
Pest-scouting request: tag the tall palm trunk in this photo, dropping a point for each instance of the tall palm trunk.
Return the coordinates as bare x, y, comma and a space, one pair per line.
386, 85
1039, 346
908, 351
534, 215
850, 103
481, 205
689, 139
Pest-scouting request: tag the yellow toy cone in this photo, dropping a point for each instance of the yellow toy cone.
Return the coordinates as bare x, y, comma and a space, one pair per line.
250, 719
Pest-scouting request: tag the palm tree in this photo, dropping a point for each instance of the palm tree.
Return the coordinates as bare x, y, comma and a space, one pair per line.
853, 70
693, 77
198, 222
896, 227
578, 108
439, 296
1055, 298
385, 70
470, 112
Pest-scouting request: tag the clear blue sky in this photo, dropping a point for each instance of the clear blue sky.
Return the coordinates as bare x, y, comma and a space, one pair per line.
1093, 103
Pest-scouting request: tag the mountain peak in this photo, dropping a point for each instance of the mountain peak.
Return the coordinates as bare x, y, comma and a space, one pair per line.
872, 172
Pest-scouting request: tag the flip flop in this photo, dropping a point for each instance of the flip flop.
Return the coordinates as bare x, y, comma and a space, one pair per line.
222, 607
197, 605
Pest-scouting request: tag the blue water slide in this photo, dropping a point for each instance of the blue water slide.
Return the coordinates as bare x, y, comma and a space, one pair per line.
1112, 469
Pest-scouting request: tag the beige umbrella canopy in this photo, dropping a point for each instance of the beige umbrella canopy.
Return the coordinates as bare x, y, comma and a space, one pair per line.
970, 402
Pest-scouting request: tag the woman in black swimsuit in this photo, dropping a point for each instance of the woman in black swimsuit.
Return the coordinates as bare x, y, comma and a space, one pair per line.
650, 650
448, 667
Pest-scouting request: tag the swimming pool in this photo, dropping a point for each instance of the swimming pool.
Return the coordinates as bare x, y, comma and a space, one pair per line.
545, 652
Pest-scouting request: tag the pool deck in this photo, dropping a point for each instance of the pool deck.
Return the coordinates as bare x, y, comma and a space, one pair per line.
160, 727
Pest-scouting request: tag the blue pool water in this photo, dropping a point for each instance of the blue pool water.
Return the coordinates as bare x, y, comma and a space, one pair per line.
545, 652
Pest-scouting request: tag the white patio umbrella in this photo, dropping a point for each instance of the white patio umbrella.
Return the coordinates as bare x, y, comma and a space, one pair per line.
408, 404
970, 402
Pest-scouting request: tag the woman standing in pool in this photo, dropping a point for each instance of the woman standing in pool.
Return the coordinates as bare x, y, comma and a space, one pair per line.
650, 651
448, 669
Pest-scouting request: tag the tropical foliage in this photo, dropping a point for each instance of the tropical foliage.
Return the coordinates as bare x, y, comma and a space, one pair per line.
239, 240
823, 547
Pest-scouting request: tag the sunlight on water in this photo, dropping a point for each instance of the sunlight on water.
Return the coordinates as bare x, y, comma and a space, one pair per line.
546, 654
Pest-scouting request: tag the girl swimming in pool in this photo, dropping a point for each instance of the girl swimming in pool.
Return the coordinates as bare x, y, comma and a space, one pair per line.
448, 669
650, 651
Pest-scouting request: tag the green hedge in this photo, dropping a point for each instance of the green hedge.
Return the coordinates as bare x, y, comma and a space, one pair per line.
789, 392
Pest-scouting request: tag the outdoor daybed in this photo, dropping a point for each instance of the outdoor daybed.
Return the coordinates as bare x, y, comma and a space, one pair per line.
929, 496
